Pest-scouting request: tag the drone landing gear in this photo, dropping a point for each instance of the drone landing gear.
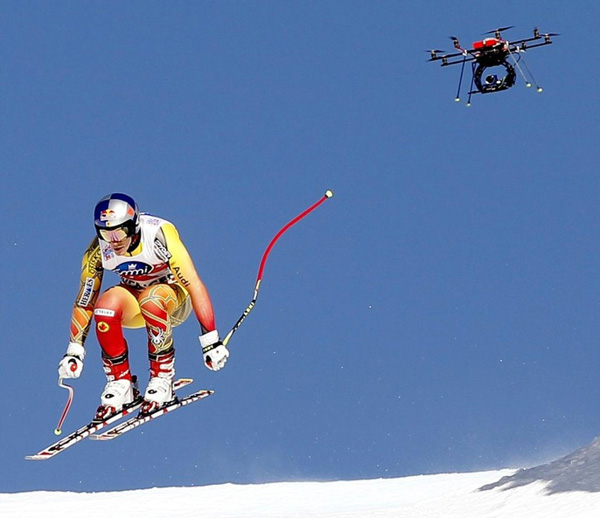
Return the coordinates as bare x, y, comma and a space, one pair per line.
517, 62
494, 82
462, 70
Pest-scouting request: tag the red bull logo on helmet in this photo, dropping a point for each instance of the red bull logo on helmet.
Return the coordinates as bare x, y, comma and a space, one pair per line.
107, 215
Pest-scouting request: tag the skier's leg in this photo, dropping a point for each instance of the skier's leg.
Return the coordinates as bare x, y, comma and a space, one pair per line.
157, 304
115, 307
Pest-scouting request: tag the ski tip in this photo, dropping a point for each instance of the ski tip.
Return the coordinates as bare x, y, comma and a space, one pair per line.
37, 457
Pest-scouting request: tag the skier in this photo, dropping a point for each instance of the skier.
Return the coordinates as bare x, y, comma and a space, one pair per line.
158, 289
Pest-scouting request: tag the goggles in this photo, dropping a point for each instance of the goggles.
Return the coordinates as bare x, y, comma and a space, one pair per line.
113, 234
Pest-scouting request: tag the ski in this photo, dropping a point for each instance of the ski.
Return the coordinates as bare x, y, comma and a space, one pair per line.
143, 418
94, 426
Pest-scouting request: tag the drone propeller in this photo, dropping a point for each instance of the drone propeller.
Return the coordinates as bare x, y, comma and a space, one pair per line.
496, 32
548, 35
499, 29
433, 53
537, 34
456, 42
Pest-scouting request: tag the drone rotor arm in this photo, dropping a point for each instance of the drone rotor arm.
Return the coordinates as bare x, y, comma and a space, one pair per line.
542, 44
465, 59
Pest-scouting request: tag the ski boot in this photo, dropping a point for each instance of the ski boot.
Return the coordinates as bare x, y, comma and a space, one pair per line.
116, 395
158, 393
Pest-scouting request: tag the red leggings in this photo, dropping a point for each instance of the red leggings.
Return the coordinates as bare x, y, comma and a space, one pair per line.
121, 306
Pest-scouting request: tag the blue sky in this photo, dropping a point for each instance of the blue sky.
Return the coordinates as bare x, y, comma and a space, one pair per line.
440, 313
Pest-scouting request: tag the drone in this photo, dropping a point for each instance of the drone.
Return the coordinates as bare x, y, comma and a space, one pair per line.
493, 53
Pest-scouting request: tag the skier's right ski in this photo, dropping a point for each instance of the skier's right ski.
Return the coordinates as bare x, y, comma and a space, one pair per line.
94, 426
143, 418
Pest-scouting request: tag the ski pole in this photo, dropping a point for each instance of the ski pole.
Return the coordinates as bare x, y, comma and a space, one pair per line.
58, 429
328, 194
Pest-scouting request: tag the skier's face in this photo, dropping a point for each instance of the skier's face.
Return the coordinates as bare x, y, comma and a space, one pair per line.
120, 247
118, 239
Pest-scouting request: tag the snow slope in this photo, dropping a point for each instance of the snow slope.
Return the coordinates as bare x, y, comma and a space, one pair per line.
567, 487
427, 496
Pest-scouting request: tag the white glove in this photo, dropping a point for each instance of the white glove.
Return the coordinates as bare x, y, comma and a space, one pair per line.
214, 352
72, 363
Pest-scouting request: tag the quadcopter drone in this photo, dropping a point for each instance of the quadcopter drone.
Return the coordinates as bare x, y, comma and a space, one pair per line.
493, 53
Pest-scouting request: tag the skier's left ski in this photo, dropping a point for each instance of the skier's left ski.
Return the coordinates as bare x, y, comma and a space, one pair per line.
143, 418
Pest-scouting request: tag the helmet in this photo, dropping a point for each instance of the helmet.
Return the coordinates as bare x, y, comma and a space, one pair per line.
116, 217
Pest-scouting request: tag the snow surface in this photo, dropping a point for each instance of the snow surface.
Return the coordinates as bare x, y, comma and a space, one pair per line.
425, 496
563, 488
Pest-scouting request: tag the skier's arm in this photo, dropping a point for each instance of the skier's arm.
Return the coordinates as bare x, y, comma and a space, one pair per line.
183, 268
71, 364
214, 352
90, 282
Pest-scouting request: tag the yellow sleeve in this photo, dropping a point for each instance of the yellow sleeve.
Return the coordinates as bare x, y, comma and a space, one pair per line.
185, 273
90, 282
